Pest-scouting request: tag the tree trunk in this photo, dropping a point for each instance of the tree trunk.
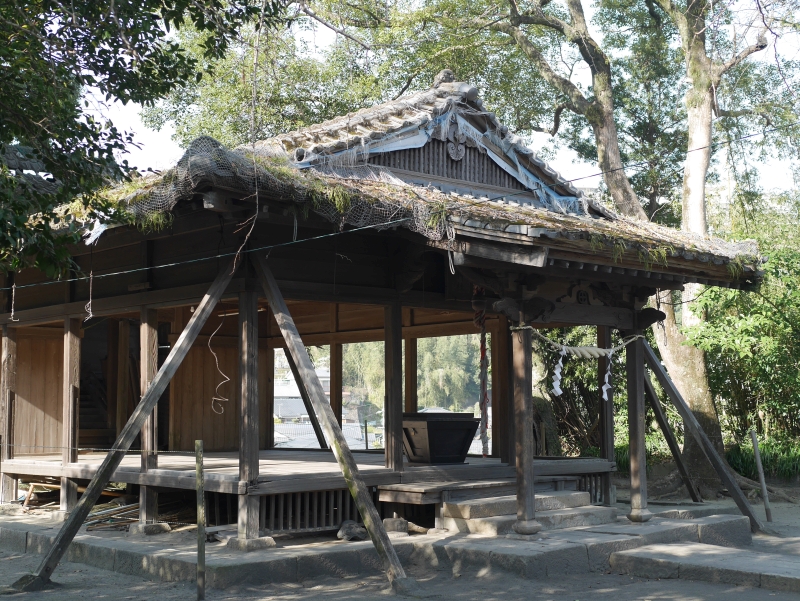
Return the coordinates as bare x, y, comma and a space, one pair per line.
601, 116
687, 364
544, 415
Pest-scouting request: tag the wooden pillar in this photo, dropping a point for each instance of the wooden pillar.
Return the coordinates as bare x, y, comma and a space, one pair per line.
336, 366
393, 397
123, 377
526, 523
112, 366
266, 388
502, 438
8, 388
247, 394
634, 363
606, 414
148, 367
70, 400
412, 401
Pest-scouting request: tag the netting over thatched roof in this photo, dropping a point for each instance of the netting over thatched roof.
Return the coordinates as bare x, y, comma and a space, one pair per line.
372, 196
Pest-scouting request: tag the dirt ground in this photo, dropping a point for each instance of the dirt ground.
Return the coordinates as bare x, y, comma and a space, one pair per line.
78, 582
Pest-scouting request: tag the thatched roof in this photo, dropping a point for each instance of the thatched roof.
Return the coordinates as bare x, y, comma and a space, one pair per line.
324, 169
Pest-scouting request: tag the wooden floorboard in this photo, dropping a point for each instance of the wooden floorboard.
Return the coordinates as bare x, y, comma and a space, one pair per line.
282, 471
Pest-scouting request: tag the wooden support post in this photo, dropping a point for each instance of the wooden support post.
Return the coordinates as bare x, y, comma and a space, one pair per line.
247, 393
526, 523
41, 576
412, 400
267, 411
123, 369
606, 414
661, 418
764, 492
148, 367
347, 464
500, 392
307, 401
70, 402
336, 366
336, 380
634, 363
112, 360
393, 397
8, 389
690, 422
201, 520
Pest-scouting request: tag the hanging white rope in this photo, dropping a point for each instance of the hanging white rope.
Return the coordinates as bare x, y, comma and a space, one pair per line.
217, 399
584, 352
88, 307
13, 301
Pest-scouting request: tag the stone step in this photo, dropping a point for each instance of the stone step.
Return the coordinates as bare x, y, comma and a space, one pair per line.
554, 519
507, 505
710, 563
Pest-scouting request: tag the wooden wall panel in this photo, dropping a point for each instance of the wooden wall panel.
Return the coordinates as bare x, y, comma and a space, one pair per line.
37, 412
191, 391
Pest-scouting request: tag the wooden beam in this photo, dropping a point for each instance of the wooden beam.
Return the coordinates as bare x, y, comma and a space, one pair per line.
341, 451
411, 398
41, 576
393, 392
307, 402
526, 523
606, 412
148, 367
8, 389
123, 369
70, 402
690, 422
247, 393
634, 363
661, 418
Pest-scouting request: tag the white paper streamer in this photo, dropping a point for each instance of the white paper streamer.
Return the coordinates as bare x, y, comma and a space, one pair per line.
607, 383
557, 373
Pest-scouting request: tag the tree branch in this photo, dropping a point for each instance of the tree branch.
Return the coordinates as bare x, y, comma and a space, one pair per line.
304, 8
760, 45
743, 113
556, 119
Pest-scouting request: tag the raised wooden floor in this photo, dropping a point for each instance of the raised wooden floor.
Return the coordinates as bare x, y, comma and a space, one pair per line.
283, 471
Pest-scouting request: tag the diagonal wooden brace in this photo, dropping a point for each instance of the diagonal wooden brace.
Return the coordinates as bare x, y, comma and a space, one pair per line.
37, 580
330, 426
700, 436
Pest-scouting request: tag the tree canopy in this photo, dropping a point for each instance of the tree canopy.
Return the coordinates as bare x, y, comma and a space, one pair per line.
55, 149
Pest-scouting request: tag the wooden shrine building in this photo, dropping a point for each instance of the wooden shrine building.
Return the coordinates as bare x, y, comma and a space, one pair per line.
377, 226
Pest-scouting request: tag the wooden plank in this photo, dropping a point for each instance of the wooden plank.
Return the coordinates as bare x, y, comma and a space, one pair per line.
336, 368
606, 412
148, 367
411, 398
661, 418
42, 575
247, 393
530, 256
70, 401
341, 451
123, 368
576, 314
526, 523
8, 388
393, 393
634, 365
690, 421
307, 402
